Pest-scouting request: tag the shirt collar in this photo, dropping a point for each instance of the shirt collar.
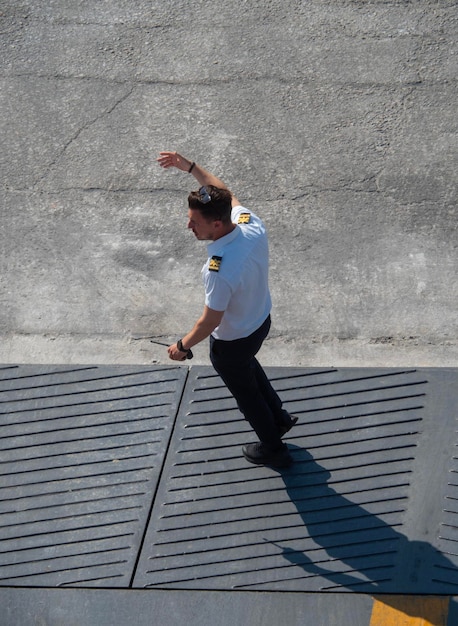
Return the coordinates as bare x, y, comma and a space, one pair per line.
219, 244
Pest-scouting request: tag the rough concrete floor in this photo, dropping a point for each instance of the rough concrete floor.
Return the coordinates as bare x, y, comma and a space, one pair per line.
334, 120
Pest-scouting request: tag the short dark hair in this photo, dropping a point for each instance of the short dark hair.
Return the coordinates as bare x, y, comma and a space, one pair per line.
219, 207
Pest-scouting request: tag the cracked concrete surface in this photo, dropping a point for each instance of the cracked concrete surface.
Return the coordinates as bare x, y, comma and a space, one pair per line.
335, 121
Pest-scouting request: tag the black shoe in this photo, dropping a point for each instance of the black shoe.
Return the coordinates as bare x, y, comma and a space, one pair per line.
261, 454
285, 427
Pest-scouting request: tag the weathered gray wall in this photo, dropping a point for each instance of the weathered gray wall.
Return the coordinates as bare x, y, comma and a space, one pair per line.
335, 121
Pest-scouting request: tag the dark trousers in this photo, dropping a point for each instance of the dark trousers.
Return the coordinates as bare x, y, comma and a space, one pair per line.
235, 362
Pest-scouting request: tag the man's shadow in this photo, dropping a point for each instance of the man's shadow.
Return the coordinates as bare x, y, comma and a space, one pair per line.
349, 548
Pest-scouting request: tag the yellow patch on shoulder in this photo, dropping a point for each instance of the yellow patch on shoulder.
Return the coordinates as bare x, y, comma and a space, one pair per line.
215, 263
244, 218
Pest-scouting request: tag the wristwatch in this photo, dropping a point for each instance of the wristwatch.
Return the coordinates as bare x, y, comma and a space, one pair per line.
180, 347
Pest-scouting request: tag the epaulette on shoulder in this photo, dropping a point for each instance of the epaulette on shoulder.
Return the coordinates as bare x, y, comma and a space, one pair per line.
215, 263
244, 218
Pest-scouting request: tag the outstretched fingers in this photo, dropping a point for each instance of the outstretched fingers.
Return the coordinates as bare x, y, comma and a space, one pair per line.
167, 159
173, 159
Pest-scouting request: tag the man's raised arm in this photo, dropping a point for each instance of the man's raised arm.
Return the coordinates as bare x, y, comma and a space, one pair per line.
173, 159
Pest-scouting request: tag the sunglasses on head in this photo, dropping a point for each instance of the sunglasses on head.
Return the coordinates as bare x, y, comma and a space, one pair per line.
204, 195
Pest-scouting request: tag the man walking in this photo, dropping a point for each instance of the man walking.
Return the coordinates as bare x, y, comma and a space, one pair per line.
236, 314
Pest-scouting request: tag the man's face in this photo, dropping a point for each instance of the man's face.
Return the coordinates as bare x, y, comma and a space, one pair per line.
202, 228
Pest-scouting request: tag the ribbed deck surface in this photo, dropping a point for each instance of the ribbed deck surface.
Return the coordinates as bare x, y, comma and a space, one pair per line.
124, 477
81, 452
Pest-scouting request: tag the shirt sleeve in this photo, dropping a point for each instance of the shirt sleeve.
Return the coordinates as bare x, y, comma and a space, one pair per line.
217, 292
240, 215
243, 217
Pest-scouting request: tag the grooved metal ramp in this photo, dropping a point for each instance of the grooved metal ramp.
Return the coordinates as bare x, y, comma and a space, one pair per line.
132, 477
81, 451
362, 509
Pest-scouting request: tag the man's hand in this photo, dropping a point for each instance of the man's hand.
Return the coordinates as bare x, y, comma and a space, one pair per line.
175, 354
204, 326
173, 159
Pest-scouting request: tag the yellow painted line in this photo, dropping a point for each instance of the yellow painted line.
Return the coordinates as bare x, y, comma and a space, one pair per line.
410, 611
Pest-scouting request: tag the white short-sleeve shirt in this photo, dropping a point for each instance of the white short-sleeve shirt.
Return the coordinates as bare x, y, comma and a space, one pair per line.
236, 277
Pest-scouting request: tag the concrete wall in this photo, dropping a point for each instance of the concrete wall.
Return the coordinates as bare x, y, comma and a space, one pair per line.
335, 121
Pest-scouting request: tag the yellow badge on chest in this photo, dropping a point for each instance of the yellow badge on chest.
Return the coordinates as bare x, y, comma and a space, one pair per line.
244, 218
215, 263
